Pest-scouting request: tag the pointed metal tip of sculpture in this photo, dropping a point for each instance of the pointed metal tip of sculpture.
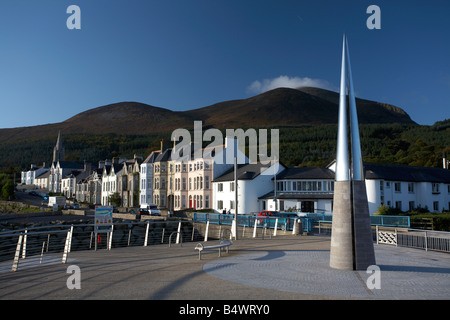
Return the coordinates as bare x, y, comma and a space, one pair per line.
342, 159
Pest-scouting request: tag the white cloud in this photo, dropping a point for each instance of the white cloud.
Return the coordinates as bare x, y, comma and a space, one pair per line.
287, 82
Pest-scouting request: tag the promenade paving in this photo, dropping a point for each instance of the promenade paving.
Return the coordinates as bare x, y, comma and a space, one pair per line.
281, 268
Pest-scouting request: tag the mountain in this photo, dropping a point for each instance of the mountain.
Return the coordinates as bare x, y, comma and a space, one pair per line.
276, 108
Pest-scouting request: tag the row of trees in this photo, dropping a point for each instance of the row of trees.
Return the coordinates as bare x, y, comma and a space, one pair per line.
299, 146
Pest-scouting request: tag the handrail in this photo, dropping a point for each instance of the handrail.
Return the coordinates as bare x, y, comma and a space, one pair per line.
181, 237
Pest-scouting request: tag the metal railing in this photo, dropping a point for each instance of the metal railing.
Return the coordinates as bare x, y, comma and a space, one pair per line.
414, 238
311, 221
17, 245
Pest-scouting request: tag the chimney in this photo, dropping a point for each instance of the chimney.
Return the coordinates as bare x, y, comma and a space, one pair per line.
87, 166
163, 145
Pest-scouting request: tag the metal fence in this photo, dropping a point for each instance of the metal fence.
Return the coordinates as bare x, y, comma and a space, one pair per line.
311, 222
414, 238
249, 221
17, 245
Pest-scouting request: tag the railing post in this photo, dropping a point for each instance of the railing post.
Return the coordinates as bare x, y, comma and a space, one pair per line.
254, 228
178, 232
275, 228
376, 228
396, 238
146, 234
110, 237
206, 232
48, 242
24, 247
42, 252
66, 245
426, 243
17, 254
70, 238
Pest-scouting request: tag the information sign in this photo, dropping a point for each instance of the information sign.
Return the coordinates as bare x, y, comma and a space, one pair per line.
103, 218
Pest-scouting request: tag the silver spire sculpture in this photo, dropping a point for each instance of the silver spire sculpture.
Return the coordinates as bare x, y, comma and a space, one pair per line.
351, 236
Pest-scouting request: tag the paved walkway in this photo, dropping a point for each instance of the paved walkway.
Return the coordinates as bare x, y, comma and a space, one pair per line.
279, 268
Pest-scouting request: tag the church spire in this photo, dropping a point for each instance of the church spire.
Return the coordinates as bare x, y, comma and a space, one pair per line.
58, 150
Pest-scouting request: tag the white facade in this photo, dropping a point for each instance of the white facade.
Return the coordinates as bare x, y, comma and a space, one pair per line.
407, 195
407, 188
28, 177
146, 180
60, 170
302, 190
254, 181
110, 182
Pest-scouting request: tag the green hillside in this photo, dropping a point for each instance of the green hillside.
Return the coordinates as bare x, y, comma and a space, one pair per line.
406, 144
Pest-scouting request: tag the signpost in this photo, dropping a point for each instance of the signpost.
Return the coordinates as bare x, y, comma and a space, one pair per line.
103, 220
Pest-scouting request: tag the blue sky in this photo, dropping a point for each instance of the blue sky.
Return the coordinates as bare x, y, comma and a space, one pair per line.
185, 54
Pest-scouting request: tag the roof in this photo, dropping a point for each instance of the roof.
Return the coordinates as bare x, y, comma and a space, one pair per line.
152, 157
393, 172
71, 164
306, 173
246, 171
44, 175
165, 156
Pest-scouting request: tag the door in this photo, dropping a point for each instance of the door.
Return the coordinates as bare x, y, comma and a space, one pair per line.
307, 206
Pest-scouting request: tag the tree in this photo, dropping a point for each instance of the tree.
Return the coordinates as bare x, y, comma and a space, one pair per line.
8, 190
115, 199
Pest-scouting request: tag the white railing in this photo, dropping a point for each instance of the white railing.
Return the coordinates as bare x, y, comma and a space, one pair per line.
414, 238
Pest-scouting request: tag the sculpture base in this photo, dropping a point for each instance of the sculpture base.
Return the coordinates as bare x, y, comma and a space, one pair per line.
351, 235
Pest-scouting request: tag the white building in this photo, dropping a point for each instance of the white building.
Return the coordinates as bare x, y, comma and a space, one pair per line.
146, 180
28, 177
110, 183
41, 181
311, 189
60, 170
253, 180
407, 188
301, 189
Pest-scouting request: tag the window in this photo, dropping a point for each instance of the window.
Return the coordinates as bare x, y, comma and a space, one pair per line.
231, 204
411, 205
435, 188
435, 205
206, 201
410, 187
207, 182
231, 187
398, 187
220, 187
220, 204
398, 205
381, 185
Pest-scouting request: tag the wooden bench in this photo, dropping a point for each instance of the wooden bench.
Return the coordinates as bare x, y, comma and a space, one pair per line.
223, 244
